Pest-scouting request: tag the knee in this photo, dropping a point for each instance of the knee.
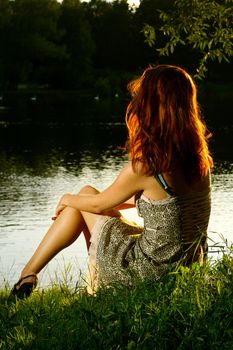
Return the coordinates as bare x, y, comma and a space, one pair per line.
88, 190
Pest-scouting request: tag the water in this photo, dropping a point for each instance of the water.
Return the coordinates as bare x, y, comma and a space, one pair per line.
40, 163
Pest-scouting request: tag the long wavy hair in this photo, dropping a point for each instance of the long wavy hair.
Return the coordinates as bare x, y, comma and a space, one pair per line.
165, 125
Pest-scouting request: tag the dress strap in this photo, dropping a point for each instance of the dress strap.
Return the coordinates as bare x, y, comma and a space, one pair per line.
159, 177
163, 183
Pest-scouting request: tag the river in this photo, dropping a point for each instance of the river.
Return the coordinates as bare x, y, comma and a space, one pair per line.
40, 162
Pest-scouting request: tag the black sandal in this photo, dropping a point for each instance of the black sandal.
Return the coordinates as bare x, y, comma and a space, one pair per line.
23, 289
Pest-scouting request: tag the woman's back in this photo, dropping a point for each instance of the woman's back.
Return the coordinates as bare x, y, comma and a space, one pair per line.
182, 210
177, 183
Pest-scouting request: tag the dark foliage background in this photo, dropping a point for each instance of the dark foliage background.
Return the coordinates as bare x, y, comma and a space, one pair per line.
95, 45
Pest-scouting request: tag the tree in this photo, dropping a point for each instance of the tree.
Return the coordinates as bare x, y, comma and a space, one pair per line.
111, 32
5, 54
205, 26
31, 49
148, 12
78, 42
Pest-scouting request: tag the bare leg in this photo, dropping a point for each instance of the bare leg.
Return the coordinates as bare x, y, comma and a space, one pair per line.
63, 232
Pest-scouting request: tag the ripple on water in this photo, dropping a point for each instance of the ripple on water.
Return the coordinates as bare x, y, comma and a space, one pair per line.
28, 200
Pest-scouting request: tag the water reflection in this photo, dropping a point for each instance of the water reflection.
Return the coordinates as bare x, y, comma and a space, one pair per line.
38, 165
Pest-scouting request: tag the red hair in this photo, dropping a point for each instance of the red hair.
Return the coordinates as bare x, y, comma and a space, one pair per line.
165, 125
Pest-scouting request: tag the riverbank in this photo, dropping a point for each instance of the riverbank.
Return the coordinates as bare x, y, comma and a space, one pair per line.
189, 309
35, 105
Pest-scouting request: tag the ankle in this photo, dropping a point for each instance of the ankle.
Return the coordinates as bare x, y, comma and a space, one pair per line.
26, 273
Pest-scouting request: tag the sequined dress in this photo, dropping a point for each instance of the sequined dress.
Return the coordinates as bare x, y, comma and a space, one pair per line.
173, 229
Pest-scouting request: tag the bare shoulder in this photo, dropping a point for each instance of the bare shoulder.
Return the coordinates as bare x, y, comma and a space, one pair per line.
133, 173
138, 169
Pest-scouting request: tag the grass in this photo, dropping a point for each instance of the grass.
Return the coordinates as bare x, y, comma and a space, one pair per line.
191, 308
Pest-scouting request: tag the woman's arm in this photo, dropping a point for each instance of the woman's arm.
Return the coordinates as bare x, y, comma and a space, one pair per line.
118, 195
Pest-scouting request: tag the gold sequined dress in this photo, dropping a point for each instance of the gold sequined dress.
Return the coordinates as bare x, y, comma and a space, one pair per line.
174, 229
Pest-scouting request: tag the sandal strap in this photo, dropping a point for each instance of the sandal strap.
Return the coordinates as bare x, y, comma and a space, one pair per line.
23, 289
25, 277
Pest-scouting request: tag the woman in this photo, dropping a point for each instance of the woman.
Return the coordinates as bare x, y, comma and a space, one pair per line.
167, 179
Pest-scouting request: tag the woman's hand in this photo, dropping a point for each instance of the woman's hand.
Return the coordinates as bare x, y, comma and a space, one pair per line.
61, 206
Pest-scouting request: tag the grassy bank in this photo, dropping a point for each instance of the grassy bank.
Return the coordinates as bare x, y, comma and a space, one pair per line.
189, 309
